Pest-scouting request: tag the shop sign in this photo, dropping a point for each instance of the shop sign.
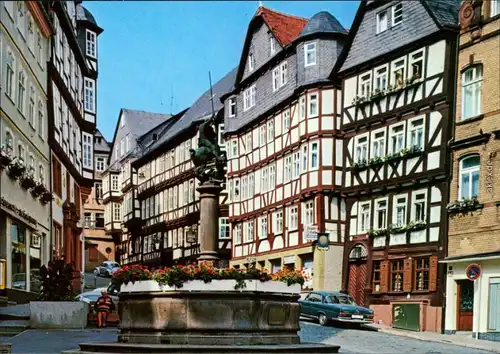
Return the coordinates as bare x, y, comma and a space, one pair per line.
289, 260
489, 176
311, 233
323, 241
473, 271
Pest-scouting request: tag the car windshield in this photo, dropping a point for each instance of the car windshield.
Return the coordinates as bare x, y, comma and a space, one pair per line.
91, 297
340, 299
113, 265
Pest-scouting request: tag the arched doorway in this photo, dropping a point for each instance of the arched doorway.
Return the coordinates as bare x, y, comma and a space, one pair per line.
358, 273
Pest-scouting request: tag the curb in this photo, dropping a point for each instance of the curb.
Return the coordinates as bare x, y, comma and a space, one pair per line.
436, 340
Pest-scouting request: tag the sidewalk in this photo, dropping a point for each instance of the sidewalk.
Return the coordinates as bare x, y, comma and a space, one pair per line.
456, 339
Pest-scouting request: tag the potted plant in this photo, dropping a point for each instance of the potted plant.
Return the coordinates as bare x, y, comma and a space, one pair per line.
28, 179
38, 189
5, 156
57, 307
16, 168
46, 197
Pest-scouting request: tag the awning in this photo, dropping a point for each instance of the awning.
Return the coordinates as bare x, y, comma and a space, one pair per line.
472, 258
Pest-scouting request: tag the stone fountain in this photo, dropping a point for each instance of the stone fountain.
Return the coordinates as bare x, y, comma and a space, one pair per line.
208, 317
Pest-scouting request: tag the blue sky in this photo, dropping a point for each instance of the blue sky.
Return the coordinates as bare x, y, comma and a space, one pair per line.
151, 50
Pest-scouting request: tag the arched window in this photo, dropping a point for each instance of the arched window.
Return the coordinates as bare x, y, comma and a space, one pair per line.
21, 90
472, 82
468, 187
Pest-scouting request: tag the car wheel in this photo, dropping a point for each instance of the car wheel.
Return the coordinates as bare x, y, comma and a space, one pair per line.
322, 319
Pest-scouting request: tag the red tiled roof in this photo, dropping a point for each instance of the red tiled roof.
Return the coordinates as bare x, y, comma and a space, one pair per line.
285, 27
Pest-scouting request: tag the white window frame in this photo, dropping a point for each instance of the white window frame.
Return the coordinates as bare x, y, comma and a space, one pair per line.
100, 164
249, 143
286, 120
251, 185
10, 75
314, 158
395, 68
276, 78
360, 155
310, 100
302, 107
365, 84
231, 107
21, 92
413, 61
272, 176
293, 213
251, 62
494, 8
237, 234
264, 230
224, 230
381, 77
310, 48
249, 97
396, 206
283, 73
378, 143
270, 131
249, 232
263, 135
305, 158
234, 148
117, 212
378, 209
394, 9
382, 25
272, 44
91, 44
278, 223
296, 165
414, 196
412, 128
264, 179
87, 141
287, 175
476, 84
89, 96
309, 214
21, 13
364, 222
115, 183
41, 119
470, 171
392, 135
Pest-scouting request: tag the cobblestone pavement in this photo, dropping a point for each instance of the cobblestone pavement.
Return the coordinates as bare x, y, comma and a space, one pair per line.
365, 341
350, 340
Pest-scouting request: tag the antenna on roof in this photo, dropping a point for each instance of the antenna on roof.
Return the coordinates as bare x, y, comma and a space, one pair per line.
211, 94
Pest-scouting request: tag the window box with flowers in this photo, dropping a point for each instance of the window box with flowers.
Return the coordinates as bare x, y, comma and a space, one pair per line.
16, 168
360, 101
38, 190
46, 197
377, 233
28, 179
464, 205
377, 95
5, 156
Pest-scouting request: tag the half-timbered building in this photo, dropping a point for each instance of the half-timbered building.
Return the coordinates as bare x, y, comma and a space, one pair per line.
284, 150
169, 201
73, 72
398, 93
118, 180
474, 228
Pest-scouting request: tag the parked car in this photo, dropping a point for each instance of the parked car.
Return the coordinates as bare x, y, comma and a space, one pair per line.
327, 306
106, 269
90, 297
19, 281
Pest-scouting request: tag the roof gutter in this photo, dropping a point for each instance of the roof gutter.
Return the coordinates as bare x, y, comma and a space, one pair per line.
470, 259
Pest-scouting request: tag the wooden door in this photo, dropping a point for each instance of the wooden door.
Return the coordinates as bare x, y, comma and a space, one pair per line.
357, 281
465, 305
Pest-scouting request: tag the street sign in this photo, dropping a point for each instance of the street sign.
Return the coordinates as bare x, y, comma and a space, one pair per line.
311, 233
473, 271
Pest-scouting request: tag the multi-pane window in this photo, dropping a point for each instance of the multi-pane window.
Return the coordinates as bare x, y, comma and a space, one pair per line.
376, 276
249, 231
302, 107
312, 107
21, 152
39, 48
270, 131
31, 105
263, 227
224, 228
310, 54
469, 177
100, 163
9, 75
41, 174
237, 234
397, 14
419, 206
314, 156
91, 44
381, 21
89, 95
244, 187
294, 218
251, 62
114, 182
288, 169
364, 217
397, 139
361, 149
272, 44
381, 78
232, 107
264, 180
87, 150
365, 85
279, 223
249, 97
417, 133
98, 191
272, 177
262, 135
41, 120
20, 17
472, 82
397, 275
304, 158
249, 143
309, 213
286, 120
416, 65
234, 148
117, 215
398, 73
296, 165
283, 73
399, 216
421, 275
378, 144
381, 214
276, 78
21, 91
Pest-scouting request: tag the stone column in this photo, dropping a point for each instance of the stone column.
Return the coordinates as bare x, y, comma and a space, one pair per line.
209, 222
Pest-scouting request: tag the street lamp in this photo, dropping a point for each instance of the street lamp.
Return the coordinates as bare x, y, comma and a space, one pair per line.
89, 225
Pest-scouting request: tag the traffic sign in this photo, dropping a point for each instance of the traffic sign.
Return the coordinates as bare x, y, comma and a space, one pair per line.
473, 271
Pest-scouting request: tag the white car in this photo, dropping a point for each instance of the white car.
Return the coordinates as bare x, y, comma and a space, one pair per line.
90, 297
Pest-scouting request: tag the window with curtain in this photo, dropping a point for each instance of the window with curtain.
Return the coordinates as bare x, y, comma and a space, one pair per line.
472, 82
469, 177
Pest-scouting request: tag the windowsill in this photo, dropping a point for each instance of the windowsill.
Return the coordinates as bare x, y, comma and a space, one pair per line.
396, 292
312, 116
10, 98
470, 120
308, 65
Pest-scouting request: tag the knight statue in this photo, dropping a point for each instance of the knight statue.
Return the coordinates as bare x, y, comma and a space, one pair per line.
208, 159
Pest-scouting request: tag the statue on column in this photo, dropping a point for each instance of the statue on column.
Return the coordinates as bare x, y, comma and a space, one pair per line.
209, 160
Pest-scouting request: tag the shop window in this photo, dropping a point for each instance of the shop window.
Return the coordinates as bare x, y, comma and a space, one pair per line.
397, 276
18, 246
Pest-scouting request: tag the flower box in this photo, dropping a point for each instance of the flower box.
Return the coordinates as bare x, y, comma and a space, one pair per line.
145, 286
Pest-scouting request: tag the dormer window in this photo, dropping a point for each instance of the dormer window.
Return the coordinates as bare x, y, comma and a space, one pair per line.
397, 14
310, 54
272, 44
232, 107
381, 21
249, 97
251, 62
91, 44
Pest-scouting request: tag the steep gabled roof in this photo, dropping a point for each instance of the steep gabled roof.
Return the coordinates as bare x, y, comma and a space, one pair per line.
323, 22
445, 12
284, 27
101, 145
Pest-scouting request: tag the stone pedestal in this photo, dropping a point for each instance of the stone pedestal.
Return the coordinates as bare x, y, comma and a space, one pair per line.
209, 221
